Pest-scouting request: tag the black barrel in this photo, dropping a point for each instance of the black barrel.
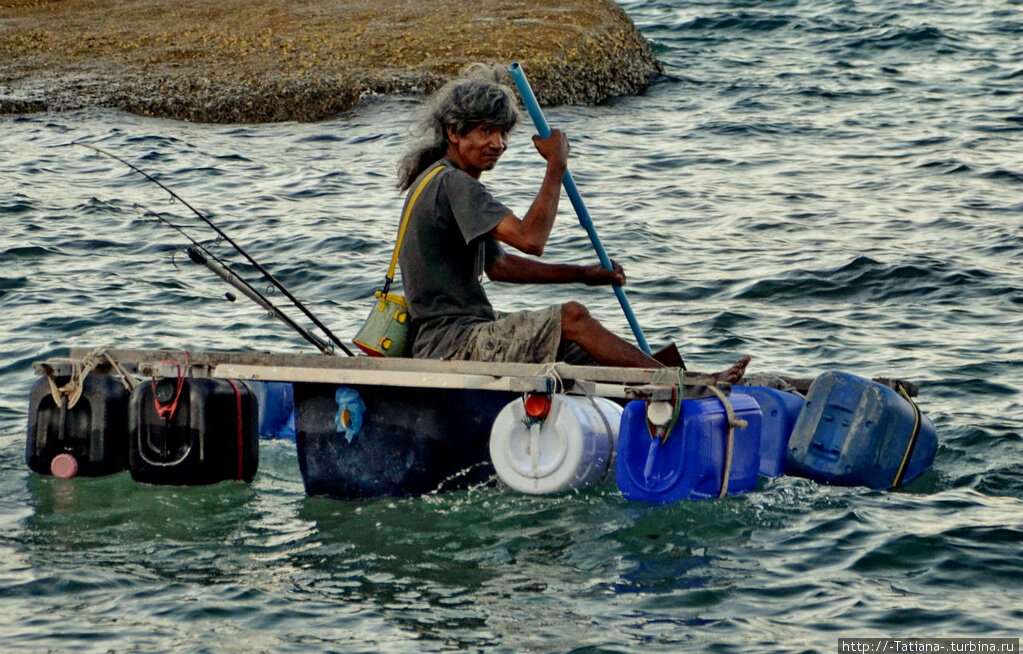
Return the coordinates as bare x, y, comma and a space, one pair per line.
94, 432
411, 440
189, 431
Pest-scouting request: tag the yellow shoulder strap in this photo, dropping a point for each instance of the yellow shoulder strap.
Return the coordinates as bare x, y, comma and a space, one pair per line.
404, 220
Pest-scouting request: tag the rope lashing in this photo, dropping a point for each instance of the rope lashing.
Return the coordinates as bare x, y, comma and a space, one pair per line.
126, 379
912, 437
733, 422
555, 384
72, 390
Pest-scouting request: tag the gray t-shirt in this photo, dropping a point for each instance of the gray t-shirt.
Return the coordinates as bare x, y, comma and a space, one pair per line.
447, 246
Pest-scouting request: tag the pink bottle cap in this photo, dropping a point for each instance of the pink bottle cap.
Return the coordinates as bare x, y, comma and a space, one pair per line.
64, 466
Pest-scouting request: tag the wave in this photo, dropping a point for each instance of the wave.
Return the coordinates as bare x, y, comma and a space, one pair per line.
866, 277
1001, 175
741, 21
903, 38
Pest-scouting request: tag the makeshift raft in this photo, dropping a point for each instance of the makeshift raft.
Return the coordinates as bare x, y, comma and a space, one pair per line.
368, 427
425, 424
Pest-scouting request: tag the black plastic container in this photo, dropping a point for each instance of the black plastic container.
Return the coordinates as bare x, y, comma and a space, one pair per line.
385, 440
195, 431
94, 431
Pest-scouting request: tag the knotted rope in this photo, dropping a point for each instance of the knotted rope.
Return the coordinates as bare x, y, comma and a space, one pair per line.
901, 472
555, 384
72, 390
733, 422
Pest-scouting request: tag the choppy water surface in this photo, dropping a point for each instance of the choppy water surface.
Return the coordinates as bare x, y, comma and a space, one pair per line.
820, 184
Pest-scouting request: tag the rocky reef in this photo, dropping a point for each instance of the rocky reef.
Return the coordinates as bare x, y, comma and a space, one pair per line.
277, 60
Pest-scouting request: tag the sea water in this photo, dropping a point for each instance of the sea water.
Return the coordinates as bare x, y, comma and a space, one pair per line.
823, 185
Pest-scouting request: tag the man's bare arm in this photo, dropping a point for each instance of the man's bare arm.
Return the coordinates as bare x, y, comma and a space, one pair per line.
530, 234
521, 270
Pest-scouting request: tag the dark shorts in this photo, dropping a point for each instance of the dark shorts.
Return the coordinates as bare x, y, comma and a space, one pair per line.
522, 337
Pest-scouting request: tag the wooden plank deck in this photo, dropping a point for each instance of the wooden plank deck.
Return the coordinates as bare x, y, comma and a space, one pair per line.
214, 358
605, 381
623, 383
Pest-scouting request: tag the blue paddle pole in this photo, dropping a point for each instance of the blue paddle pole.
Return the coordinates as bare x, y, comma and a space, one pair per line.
544, 130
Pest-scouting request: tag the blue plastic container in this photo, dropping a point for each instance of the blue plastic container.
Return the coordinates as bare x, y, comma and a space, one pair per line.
276, 409
855, 432
780, 410
690, 463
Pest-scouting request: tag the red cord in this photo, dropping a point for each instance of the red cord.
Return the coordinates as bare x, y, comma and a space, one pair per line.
238, 420
167, 412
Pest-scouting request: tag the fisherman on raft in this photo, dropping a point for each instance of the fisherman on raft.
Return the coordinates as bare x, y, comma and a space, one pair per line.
455, 234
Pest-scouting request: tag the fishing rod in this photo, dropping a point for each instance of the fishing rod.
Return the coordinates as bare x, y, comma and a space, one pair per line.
225, 237
198, 253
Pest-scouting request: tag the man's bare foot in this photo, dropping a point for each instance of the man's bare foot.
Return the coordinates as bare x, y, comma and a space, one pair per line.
734, 373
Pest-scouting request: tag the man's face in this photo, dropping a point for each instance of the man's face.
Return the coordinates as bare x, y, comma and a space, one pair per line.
479, 149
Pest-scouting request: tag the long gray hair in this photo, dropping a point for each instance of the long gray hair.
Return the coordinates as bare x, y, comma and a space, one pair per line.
476, 98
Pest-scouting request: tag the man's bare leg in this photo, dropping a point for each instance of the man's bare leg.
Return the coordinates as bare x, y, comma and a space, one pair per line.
611, 350
605, 346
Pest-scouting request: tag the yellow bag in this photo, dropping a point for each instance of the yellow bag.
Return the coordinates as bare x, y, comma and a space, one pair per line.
385, 332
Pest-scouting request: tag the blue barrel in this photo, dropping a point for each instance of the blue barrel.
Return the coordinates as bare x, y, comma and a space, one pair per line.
690, 463
780, 410
855, 432
94, 432
193, 431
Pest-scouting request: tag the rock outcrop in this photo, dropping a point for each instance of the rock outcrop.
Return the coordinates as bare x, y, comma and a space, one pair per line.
305, 60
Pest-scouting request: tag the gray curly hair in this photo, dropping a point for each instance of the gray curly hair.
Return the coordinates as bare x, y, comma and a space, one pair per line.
477, 97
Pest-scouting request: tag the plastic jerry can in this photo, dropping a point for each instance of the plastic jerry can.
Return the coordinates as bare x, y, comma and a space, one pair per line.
690, 462
855, 432
779, 411
564, 443
89, 439
188, 431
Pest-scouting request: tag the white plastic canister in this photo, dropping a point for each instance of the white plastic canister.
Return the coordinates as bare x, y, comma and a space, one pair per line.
569, 449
